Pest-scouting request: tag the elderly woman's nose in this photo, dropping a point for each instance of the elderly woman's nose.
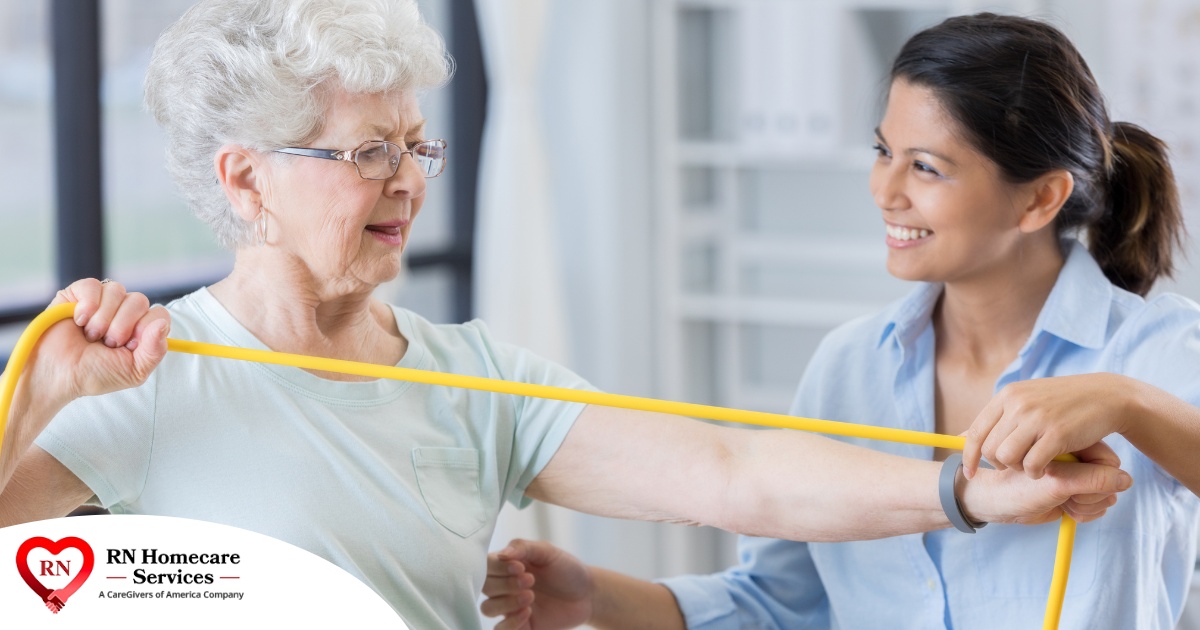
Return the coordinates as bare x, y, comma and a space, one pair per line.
408, 181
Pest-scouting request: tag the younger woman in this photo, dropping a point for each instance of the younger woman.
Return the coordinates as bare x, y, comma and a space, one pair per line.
995, 151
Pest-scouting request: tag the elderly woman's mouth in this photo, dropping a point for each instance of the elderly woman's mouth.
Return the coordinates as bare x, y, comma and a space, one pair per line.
388, 233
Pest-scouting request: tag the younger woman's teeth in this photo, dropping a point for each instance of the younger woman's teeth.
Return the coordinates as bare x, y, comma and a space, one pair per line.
906, 234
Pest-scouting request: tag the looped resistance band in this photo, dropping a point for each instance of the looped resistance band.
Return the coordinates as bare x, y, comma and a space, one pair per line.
54, 314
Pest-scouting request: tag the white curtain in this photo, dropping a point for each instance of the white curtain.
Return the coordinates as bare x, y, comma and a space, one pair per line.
518, 285
568, 237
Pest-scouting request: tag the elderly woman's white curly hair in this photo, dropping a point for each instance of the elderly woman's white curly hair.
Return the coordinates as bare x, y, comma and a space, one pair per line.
258, 74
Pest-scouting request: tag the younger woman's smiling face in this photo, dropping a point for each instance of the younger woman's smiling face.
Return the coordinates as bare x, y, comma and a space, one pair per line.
949, 213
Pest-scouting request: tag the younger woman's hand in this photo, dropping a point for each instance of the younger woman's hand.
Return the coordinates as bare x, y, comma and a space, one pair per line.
1029, 423
535, 585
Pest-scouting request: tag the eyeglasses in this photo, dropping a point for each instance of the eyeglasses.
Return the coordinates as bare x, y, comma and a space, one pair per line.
379, 159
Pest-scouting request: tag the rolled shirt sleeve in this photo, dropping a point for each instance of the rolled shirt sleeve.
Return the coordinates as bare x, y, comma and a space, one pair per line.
775, 585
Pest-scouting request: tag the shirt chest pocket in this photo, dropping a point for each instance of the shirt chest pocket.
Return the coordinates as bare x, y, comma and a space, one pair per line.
449, 482
1017, 561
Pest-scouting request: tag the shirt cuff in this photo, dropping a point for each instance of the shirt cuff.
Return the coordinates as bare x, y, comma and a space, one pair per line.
705, 601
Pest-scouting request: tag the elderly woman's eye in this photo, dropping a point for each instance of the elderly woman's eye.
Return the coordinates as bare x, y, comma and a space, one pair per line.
372, 153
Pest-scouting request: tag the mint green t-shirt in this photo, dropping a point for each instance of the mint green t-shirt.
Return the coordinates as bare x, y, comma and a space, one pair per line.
398, 483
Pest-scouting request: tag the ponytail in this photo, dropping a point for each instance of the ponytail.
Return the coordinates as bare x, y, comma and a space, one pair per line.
1134, 239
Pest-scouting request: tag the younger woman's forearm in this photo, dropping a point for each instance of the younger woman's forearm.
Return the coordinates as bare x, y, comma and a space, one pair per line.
621, 602
1166, 429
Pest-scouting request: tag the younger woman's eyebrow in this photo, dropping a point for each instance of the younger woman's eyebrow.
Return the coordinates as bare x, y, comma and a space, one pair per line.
918, 150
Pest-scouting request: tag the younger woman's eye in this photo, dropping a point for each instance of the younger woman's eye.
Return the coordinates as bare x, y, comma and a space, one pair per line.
881, 150
925, 168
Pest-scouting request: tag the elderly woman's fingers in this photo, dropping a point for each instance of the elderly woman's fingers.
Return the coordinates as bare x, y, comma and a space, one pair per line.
151, 344
112, 294
151, 316
85, 294
1088, 512
1092, 499
122, 327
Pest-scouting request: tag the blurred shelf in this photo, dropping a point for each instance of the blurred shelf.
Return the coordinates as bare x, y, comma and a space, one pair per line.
738, 155
809, 313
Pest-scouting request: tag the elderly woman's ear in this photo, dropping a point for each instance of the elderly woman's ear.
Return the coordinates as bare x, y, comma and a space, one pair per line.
239, 172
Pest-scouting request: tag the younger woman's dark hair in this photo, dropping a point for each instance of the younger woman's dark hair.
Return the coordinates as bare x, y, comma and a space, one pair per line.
1025, 98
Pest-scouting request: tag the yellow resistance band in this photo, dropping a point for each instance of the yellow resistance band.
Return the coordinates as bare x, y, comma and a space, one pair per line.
54, 314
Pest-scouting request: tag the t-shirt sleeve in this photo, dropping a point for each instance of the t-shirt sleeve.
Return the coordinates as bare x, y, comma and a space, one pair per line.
540, 425
106, 441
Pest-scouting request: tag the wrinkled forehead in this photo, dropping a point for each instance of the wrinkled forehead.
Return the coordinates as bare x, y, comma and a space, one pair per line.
353, 117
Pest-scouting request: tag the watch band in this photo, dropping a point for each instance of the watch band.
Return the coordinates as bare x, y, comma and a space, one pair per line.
950, 503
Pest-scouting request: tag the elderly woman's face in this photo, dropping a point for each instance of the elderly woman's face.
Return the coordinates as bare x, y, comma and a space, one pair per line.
349, 231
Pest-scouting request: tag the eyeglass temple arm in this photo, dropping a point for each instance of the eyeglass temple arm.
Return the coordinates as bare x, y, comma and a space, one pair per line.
328, 154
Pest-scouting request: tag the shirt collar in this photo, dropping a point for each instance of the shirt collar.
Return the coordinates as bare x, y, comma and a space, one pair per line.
1076, 310
908, 317
1078, 307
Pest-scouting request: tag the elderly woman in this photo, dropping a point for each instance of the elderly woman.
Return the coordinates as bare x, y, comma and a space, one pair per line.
295, 132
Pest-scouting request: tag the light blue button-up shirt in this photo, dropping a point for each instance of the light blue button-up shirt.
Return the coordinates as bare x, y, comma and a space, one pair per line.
1131, 568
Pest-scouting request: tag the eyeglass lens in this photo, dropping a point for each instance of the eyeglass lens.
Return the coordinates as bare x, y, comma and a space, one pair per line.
379, 160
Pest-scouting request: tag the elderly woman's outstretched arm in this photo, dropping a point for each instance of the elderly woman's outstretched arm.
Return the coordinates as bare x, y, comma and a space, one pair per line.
790, 484
34, 485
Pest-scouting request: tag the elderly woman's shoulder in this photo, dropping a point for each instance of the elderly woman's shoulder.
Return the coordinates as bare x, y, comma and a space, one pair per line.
473, 336
472, 348
194, 317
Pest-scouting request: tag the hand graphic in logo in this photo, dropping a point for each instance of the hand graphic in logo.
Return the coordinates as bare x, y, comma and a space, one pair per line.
55, 599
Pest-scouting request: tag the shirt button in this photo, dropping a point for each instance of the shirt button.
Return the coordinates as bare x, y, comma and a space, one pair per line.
931, 584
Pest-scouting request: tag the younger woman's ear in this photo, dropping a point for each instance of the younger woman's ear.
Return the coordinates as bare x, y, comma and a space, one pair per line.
1049, 193
235, 167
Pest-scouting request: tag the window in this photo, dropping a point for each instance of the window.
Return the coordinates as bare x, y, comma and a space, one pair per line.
26, 164
151, 240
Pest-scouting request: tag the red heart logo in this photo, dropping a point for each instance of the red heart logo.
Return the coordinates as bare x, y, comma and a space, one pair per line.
55, 599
